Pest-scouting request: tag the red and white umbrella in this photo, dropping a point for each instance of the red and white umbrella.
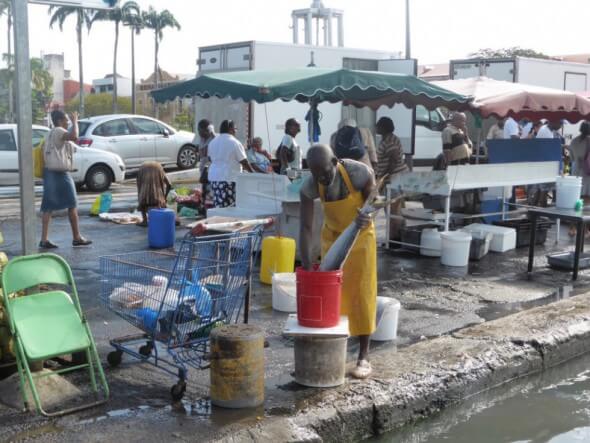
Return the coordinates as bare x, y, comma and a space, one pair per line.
502, 99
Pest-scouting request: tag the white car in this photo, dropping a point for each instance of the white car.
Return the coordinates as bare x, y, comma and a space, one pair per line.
92, 167
137, 138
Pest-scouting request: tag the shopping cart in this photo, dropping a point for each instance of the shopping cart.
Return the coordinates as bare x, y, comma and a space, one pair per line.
176, 299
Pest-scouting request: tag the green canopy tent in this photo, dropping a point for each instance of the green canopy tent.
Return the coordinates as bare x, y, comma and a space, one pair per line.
316, 85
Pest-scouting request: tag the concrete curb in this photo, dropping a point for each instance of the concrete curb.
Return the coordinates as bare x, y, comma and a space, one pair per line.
426, 377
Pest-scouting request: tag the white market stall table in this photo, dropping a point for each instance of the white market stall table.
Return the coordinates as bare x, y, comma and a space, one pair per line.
469, 177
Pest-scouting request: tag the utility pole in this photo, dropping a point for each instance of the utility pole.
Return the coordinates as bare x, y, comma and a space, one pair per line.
24, 118
408, 51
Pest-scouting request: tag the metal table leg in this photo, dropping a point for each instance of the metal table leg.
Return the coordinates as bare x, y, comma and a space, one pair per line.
532, 240
447, 212
579, 248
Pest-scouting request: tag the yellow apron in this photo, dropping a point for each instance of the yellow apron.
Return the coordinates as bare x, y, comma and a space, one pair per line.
359, 285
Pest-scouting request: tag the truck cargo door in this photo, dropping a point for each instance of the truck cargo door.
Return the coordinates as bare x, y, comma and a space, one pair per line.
575, 82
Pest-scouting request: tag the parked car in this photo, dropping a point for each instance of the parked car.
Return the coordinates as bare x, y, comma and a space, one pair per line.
137, 138
92, 167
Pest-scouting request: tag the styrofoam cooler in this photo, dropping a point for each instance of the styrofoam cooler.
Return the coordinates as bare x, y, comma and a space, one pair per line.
503, 239
387, 319
569, 190
284, 292
455, 248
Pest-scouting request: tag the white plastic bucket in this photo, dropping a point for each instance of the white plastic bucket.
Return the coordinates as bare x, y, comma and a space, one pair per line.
455, 248
284, 292
387, 319
430, 243
569, 189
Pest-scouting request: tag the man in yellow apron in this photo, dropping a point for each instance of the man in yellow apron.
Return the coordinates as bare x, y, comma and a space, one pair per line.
343, 186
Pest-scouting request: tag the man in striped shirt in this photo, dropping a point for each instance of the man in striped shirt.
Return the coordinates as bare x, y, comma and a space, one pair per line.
390, 154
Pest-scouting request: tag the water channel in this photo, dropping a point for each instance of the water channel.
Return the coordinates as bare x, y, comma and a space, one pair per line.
551, 407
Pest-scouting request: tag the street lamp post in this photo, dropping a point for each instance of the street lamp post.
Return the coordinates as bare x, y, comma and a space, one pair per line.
408, 51
24, 115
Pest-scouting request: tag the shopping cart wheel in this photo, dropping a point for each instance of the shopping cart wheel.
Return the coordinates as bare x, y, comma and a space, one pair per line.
146, 349
114, 358
178, 390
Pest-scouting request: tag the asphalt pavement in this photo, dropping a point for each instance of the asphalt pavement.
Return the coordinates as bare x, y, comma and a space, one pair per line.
435, 301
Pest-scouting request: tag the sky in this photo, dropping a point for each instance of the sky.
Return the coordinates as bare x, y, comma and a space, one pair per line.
441, 30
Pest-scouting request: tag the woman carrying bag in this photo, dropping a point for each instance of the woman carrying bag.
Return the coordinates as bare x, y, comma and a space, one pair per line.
59, 191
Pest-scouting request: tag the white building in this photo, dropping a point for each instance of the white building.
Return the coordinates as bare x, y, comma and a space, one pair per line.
54, 63
106, 85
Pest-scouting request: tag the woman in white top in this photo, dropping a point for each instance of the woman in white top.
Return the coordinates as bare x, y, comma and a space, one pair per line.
228, 157
59, 191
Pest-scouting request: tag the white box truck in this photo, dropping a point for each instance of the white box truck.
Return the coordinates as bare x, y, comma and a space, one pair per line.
568, 76
267, 120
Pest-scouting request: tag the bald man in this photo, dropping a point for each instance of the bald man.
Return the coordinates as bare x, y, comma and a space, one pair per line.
343, 186
456, 144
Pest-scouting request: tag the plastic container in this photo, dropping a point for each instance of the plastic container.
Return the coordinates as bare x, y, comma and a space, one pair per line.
430, 243
523, 230
503, 239
387, 319
480, 245
455, 248
565, 261
284, 292
318, 298
569, 189
161, 228
278, 256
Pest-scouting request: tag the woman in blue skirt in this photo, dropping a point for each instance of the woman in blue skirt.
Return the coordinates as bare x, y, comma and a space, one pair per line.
59, 191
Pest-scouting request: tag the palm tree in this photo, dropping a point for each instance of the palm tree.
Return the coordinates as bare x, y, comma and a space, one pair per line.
6, 8
118, 14
158, 21
135, 23
59, 14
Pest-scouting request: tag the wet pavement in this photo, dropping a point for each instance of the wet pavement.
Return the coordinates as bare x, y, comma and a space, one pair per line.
435, 300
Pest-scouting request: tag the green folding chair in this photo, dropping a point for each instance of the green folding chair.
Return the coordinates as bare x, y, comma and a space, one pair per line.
48, 324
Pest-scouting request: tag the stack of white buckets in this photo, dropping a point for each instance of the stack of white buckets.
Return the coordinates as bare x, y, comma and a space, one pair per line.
569, 189
452, 247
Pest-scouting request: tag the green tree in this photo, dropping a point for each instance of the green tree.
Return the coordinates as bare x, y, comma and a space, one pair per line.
157, 22
117, 15
41, 87
184, 121
6, 9
514, 51
59, 14
135, 24
100, 104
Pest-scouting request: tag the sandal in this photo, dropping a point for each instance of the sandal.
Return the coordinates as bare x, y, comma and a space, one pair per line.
362, 370
47, 245
81, 242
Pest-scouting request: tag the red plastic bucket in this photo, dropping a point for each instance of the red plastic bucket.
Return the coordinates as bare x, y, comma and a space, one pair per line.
318, 298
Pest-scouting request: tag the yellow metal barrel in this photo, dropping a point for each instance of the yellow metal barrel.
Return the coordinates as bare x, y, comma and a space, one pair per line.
237, 366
